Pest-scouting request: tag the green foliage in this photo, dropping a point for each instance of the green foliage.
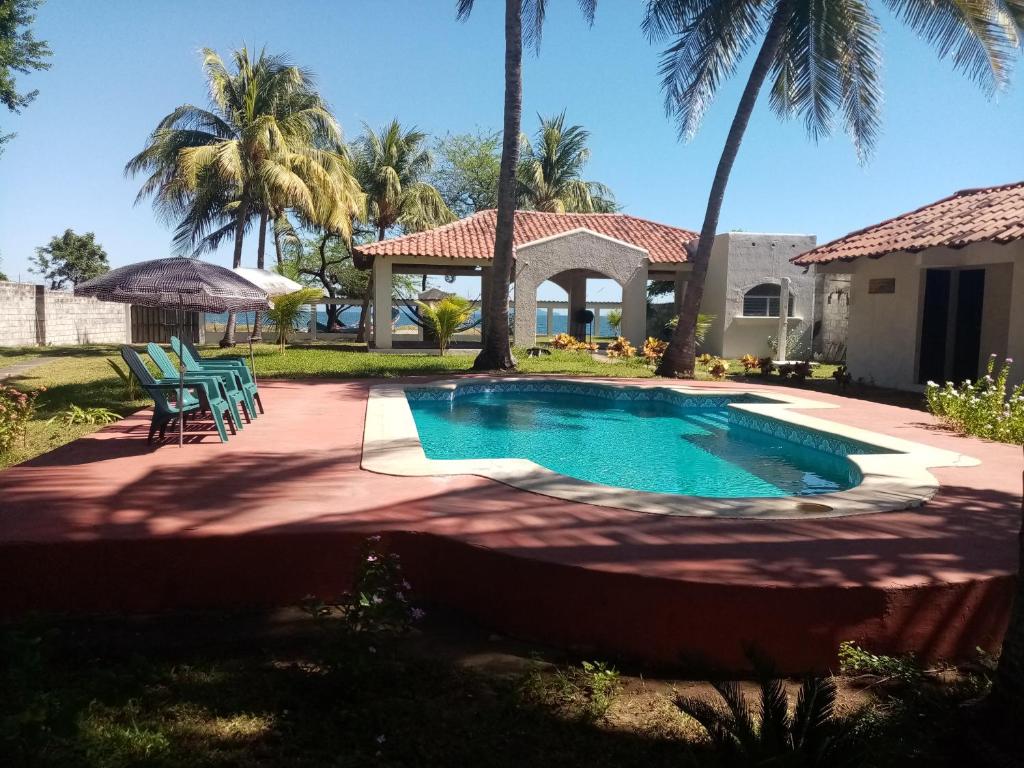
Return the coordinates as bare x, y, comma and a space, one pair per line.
267, 143
287, 309
132, 389
94, 416
983, 408
854, 660
20, 53
379, 601
70, 259
17, 409
615, 320
393, 169
466, 174
763, 732
704, 322
585, 692
446, 317
550, 168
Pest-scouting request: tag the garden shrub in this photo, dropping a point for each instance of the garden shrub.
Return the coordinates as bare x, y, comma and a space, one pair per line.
379, 599
749, 363
621, 348
571, 343
982, 408
715, 366
654, 349
16, 410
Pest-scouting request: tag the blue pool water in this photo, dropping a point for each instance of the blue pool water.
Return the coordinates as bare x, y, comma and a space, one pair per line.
690, 446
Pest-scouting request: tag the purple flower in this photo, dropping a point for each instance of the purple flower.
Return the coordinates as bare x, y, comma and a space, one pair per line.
371, 558
418, 613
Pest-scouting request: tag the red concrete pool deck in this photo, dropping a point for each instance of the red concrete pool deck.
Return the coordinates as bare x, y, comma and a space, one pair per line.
108, 524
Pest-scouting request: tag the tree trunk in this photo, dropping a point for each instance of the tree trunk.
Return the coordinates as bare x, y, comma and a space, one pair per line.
364, 313
243, 214
496, 352
679, 357
277, 245
261, 256
1005, 702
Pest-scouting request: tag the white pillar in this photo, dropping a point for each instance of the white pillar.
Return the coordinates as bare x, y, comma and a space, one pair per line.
382, 302
634, 309
783, 332
550, 322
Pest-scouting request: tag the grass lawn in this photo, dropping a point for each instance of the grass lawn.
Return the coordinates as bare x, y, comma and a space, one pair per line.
82, 376
236, 690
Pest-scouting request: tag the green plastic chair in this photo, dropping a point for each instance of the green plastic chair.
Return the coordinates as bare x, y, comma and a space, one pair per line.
197, 396
195, 362
222, 382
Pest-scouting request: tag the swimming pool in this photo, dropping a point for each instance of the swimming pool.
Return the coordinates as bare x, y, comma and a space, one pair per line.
653, 441
669, 449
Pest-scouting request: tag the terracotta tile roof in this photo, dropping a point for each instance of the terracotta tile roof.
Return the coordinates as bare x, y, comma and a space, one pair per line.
970, 216
473, 237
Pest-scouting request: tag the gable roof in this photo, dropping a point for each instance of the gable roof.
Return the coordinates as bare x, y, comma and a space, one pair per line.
993, 214
473, 236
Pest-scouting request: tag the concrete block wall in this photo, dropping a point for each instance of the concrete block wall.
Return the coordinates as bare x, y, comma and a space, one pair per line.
32, 314
18, 326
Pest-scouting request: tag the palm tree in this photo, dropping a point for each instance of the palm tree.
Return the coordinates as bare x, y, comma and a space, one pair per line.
267, 143
496, 352
823, 56
550, 168
392, 167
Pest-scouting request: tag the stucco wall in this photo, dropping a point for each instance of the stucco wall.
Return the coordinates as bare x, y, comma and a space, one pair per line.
586, 252
883, 339
740, 261
32, 315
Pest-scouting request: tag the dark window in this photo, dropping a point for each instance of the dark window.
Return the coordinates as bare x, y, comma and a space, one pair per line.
763, 301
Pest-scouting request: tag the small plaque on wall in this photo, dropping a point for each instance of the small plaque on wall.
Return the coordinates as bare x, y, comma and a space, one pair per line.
882, 285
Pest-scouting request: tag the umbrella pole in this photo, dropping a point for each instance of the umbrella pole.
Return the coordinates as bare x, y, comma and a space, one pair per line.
181, 381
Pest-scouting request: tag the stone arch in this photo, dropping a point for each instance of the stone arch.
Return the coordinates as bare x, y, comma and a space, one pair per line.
583, 252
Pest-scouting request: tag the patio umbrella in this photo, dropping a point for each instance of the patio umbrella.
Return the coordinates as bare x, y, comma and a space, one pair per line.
180, 283
272, 284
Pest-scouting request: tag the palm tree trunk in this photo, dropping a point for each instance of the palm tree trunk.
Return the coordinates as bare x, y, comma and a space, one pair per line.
236, 261
496, 352
1006, 700
261, 255
679, 357
364, 313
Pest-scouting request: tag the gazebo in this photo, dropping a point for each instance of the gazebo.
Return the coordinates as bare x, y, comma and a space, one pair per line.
565, 248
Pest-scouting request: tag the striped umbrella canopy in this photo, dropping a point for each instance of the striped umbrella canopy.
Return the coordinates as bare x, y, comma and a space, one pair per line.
180, 282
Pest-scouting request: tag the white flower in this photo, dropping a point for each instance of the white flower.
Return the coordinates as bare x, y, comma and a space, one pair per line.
381, 739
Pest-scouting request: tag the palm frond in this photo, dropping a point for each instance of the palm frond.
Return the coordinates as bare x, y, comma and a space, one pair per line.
981, 37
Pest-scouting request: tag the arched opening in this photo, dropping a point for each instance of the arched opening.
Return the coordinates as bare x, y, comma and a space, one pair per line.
763, 301
565, 297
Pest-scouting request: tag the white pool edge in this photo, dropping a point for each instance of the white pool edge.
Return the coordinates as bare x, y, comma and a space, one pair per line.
893, 481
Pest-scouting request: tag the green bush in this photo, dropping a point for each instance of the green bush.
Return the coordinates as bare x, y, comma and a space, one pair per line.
982, 408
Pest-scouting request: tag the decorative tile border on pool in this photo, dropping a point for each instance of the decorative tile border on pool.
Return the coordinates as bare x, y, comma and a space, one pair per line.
894, 473
688, 400
826, 442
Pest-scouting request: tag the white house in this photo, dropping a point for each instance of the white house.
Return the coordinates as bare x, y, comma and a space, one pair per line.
934, 292
744, 283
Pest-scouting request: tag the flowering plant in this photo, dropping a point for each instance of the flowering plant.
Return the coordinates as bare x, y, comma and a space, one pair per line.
16, 410
569, 342
983, 408
654, 349
718, 367
379, 598
620, 348
749, 363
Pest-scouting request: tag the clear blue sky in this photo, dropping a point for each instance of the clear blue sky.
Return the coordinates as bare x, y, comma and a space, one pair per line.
121, 65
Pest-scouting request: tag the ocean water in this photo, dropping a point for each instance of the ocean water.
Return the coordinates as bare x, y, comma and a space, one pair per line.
640, 444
